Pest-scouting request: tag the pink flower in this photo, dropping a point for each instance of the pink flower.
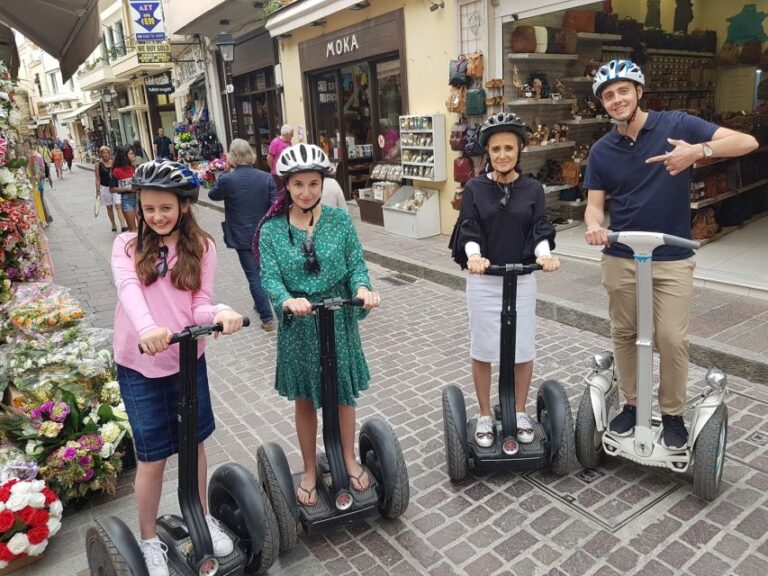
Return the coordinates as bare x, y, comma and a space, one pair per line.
69, 454
59, 411
92, 442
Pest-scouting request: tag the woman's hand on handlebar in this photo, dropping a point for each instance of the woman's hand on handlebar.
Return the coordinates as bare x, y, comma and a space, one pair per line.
298, 306
155, 340
370, 299
548, 263
230, 321
476, 264
596, 236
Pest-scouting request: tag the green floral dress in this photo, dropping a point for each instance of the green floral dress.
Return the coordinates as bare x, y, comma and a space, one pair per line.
342, 272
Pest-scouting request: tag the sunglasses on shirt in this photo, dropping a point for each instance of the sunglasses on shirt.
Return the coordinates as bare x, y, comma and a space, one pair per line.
311, 263
162, 266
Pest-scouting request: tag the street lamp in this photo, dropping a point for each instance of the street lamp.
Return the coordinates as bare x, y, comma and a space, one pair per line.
106, 99
226, 45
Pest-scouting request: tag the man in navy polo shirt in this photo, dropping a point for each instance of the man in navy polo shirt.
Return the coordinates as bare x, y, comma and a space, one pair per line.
643, 163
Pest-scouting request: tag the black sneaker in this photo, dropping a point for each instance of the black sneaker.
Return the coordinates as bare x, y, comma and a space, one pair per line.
624, 423
675, 435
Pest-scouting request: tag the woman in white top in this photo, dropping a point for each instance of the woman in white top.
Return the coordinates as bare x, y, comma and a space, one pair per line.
333, 195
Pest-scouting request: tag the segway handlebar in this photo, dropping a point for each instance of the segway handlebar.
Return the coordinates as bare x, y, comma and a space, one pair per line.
642, 242
517, 269
199, 331
328, 304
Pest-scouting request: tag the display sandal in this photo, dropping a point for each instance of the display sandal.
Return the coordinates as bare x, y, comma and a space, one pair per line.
309, 493
359, 480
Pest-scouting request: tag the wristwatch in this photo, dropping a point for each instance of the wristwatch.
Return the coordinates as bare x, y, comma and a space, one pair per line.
707, 150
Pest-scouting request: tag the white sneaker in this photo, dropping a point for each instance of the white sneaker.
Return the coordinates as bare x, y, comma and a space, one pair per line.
155, 556
222, 544
484, 431
524, 428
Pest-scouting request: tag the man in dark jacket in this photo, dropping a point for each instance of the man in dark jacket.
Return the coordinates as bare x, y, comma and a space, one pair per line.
247, 194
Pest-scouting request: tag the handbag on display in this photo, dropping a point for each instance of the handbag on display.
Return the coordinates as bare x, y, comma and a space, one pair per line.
704, 224
606, 23
458, 196
562, 41
523, 39
751, 52
475, 103
472, 146
729, 54
458, 136
579, 20
542, 39
457, 72
455, 101
463, 169
475, 68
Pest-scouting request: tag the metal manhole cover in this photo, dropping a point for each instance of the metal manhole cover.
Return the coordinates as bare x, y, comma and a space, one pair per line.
588, 475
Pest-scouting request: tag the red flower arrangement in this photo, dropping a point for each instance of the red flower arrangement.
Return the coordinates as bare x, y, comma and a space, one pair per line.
30, 513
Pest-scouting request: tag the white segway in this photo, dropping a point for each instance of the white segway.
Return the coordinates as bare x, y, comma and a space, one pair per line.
704, 455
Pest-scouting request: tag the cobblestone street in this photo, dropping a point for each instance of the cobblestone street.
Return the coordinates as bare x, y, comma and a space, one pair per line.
623, 520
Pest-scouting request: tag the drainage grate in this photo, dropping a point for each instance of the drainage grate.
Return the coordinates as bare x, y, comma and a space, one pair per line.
588, 476
758, 438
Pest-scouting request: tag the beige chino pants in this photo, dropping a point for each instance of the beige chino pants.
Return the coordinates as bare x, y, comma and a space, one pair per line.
672, 292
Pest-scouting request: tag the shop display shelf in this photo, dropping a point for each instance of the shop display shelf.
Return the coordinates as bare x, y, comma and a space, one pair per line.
717, 199
668, 52
541, 102
606, 48
437, 147
573, 203
575, 122
597, 36
422, 178
548, 147
404, 131
428, 165
408, 147
512, 56
725, 230
681, 89
577, 79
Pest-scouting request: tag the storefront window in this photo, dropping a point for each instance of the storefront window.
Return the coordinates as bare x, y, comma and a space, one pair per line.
326, 113
258, 113
390, 103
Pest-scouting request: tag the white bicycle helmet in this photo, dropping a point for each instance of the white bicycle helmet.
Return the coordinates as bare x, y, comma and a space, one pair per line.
617, 70
303, 158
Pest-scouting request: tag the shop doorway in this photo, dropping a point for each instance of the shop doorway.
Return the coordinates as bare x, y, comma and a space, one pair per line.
258, 112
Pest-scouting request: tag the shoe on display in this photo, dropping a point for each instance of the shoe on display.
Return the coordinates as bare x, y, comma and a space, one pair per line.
155, 556
484, 431
222, 544
524, 428
674, 434
624, 423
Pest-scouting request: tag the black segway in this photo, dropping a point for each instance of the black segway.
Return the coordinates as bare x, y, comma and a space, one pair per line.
234, 497
379, 450
553, 443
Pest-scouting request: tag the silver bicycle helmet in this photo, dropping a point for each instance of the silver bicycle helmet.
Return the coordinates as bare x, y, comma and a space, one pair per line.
303, 158
167, 175
617, 70
503, 122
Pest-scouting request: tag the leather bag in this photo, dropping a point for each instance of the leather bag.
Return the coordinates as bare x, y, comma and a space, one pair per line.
472, 145
456, 99
458, 196
463, 169
523, 39
751, 52
475, 68
458, 136
570, 172
729, 54
457, 72
704, 224
606, 23
564, 41
542, 39
579, 20
475, 104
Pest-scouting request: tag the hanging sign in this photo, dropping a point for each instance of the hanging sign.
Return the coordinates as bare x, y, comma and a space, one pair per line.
148, 17
160, 84
153, 52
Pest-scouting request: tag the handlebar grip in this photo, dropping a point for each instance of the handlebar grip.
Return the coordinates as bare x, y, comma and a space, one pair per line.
670, 240
204, 329
326, 303
613, 236
518, 269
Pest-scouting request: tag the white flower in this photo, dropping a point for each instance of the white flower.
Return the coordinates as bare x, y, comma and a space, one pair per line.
110, 431
107, 450
17, 501
55, 510
11, 192
34, 448
6, 176
22, 488
53, 526
3, 564
37, 549
37, 500
19, 543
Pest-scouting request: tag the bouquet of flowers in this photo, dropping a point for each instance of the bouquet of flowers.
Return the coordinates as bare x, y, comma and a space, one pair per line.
218, 164
184, 138
30, 513
20, 256
44, 307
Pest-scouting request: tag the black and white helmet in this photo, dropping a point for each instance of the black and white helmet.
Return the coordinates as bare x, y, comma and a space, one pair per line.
167, 175
503, 122
303, 158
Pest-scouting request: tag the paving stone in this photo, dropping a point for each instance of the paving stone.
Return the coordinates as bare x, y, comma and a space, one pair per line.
577, 564
752, 566
651, 536
516, 544
623, 559
754, 525
601, 544
708, 565
486, 564
699, 534
687, 508
546, 555
548, 521
723, 513
607, 571
654, 568
676, 554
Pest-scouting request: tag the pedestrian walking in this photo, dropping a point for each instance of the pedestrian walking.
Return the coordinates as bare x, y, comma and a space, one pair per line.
163, 146
643, 163
68, 153
333, 195
164, 276
276, 147
247, 194
307, 252
138, 151
58, 161
38, 163
120, 183
111, 200
502, 221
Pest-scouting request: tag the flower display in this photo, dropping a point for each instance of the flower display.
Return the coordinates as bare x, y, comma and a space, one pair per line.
30, 514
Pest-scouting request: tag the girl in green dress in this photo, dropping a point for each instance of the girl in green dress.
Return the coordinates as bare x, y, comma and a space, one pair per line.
307, 252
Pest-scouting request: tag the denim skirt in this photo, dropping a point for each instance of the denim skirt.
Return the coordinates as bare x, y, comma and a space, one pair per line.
128, 201
152, 405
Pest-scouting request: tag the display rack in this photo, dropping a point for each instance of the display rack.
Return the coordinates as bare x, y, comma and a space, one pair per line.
422, 147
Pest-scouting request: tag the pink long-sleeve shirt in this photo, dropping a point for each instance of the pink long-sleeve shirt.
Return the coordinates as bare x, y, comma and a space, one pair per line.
141, 308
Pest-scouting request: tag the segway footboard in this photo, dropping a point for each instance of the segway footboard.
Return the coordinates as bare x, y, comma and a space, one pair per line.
501, 456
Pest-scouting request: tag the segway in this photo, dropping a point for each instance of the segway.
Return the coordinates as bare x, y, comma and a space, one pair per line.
379, 451
599, 404
234, 497
552, 446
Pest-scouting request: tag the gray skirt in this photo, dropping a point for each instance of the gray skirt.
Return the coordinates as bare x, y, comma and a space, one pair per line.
484, 308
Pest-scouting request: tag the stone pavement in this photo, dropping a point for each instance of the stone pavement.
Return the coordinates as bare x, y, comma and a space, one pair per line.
625, 520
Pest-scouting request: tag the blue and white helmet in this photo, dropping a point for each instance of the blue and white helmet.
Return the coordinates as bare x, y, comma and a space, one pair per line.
616, 70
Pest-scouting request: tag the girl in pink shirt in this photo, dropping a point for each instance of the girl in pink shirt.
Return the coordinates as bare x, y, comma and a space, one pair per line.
164, 276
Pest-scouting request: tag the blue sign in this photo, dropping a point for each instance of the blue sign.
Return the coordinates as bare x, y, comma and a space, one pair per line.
148, 17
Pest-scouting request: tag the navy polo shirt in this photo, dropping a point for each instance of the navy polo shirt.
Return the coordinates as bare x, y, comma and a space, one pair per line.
644, 197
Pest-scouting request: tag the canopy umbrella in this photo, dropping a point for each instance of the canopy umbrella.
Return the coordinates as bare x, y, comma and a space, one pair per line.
66, 29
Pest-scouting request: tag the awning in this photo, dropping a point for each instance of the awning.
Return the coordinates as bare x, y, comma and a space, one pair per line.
8, 51
73, 114
183, 88
302, 13
68, 30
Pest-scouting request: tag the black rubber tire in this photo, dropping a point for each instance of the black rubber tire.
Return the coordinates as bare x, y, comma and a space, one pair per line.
564, 449
589, 444
103, 557
232, 491
455, 454
381, 453
709, 455
286, 522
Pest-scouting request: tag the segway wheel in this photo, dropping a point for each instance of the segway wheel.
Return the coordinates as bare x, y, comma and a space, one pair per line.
709, 455
553, 411
104, 558
589, 441
285, 514
381, 453
237, 499
455, 433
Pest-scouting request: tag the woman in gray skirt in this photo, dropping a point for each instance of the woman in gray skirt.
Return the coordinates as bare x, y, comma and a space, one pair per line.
502, 221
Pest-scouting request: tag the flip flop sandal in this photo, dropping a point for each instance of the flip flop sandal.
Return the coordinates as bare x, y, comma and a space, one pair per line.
309, 496
359, 480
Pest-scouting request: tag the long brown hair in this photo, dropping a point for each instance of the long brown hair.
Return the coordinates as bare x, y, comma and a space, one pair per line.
191, 244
